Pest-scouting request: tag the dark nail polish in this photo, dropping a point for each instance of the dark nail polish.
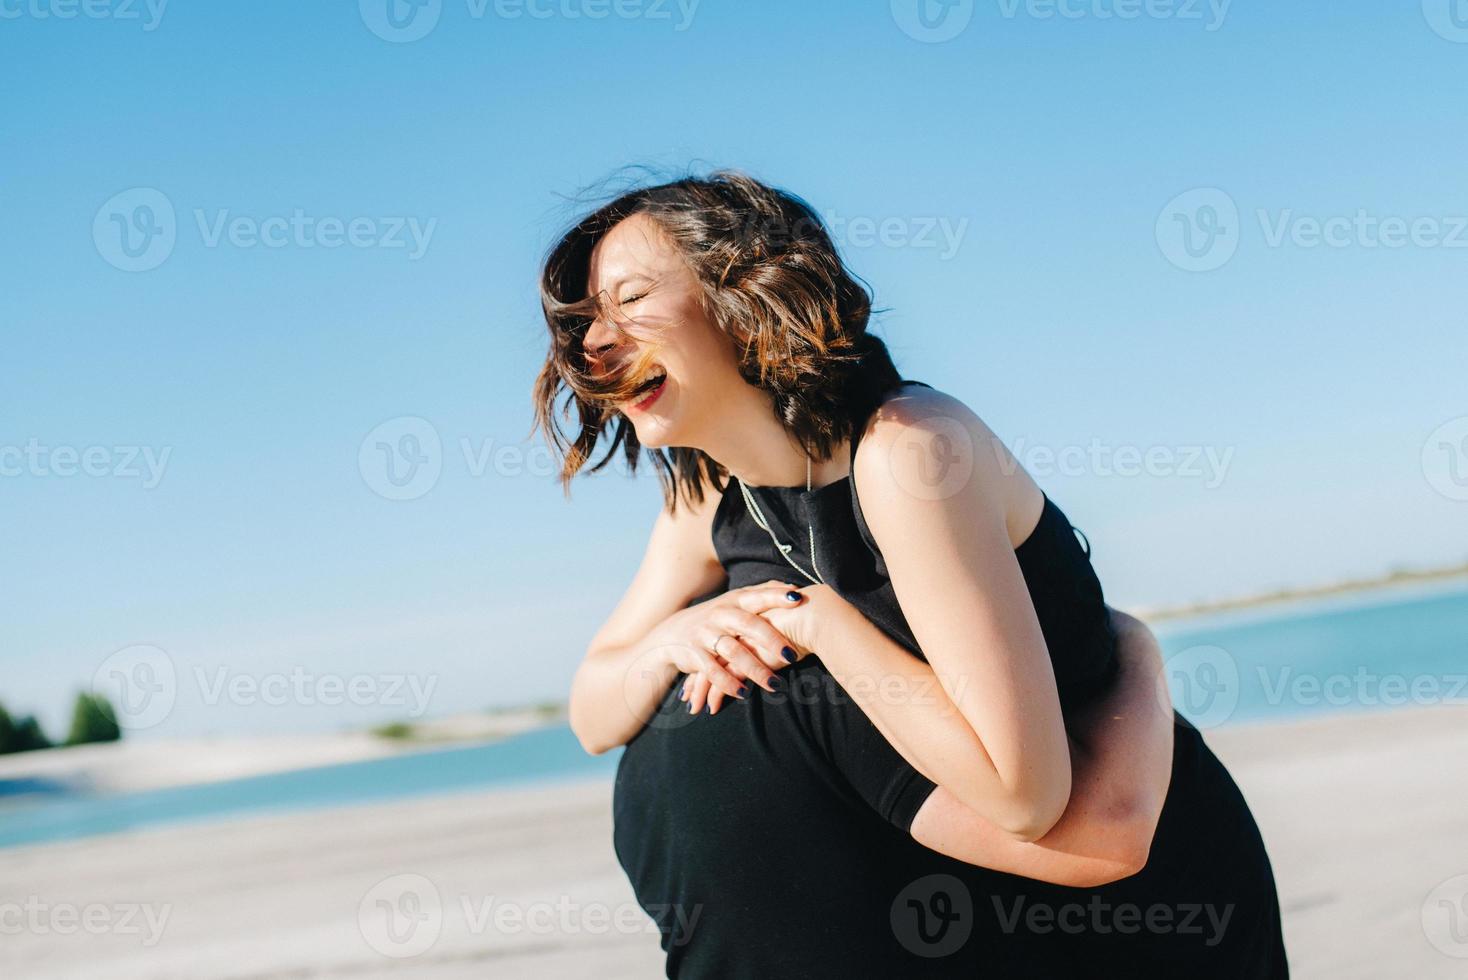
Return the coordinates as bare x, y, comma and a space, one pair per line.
743, 690
776, 683
788, 654
793, 596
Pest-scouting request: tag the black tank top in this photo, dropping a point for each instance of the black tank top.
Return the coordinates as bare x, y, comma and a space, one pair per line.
1063, 586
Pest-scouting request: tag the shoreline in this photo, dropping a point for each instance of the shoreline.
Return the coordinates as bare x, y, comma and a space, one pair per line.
133, 765
1287, 598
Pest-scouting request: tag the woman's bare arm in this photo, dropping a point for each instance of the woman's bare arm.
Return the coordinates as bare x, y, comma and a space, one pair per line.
1122, 767
992, 734
619, 684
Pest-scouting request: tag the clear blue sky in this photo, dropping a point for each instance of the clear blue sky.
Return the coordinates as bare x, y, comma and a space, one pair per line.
1047, 148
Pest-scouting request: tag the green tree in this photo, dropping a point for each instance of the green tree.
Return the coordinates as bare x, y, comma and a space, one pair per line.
24, 735
7, 732
93, 720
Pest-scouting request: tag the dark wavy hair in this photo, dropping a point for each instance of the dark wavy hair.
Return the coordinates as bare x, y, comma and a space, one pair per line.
771, 280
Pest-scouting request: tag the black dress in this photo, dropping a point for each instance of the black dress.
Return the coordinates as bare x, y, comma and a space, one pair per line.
771, 839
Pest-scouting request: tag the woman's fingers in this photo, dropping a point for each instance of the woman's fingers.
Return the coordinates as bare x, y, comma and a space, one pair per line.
771, 595
698, 692
757, 634
717, 673
739, 659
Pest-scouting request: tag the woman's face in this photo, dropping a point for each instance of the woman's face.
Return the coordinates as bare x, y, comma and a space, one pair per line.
655, 297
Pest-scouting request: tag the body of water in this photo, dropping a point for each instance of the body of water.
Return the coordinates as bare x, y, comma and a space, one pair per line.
1376, 651
549, 753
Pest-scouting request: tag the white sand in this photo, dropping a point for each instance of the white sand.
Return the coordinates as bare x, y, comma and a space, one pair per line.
1364, 815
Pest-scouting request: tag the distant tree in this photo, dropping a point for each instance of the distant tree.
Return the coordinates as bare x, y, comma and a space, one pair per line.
27, 735
7, 732
93, 720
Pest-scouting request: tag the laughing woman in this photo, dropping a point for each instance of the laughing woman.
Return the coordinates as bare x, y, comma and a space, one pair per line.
878, 719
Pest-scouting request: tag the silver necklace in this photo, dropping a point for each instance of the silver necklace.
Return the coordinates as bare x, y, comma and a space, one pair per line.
784, 549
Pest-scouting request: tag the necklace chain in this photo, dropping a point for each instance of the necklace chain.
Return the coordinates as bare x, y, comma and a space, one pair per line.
784, 549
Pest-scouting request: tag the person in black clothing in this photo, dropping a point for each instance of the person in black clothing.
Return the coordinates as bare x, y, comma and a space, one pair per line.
926, 746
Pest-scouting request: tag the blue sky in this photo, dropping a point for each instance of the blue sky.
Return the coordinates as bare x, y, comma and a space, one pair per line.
357, 218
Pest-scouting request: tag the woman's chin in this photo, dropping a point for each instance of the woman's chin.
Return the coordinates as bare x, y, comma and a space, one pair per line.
652, 433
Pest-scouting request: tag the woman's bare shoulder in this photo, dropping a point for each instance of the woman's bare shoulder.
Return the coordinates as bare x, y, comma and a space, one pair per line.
930, 444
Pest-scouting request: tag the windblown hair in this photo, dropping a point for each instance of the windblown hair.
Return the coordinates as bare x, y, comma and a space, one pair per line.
771, 280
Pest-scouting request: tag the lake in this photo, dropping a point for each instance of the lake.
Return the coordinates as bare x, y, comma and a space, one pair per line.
1373, 651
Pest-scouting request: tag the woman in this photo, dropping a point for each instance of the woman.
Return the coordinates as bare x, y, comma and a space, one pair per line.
943, 755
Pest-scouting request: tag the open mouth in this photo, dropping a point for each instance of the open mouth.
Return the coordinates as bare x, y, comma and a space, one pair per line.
648, 392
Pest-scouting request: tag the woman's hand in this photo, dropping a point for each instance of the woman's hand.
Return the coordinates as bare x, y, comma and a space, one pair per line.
748, 646
796, 622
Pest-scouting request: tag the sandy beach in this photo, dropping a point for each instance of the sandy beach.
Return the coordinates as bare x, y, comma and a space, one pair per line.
1366, 816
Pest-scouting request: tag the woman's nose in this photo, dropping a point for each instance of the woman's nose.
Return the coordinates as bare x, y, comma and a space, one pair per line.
600, 343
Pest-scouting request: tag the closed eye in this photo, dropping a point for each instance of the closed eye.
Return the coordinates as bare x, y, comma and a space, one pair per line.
632, 299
